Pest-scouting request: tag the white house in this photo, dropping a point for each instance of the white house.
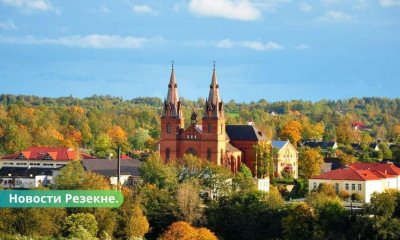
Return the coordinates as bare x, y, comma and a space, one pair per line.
361, 178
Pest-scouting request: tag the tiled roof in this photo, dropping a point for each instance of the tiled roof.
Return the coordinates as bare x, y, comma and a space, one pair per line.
348, 174
389, 168
245, 133
47, 153
362, 172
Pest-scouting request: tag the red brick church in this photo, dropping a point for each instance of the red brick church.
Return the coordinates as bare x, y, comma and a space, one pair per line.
210, 139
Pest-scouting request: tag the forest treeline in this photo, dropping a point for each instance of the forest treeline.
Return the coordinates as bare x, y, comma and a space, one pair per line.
99, 123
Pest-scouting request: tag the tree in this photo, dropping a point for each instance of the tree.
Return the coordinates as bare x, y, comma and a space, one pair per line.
154, 171
139, 138
344, 195
243, 180
36, 221
292, 131
386, 152
184, 231
71, 177
274, 198
188, 202
118, 136
310, 162
159, 207
383, 204
79, 224
103, 146
264, 159
74, 177
301, 223
138, 225
346, 159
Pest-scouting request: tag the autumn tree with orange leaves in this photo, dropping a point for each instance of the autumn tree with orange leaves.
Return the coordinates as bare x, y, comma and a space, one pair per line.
292, 131
184, 231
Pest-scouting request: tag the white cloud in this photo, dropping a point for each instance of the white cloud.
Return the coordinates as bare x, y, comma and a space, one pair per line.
87, 41
335, 16
255, 45
8, 25
304, 7
29, 5
230, 9
301, 47
389, 3
144, 9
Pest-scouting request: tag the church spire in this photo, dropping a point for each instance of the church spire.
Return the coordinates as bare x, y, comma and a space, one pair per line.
214, 106
172, 104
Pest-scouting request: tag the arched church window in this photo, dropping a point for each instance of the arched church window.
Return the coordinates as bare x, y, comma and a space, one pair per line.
209, 127
168, 128
222, 129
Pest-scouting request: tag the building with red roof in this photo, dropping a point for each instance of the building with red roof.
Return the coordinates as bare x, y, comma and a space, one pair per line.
361, 178
35, 166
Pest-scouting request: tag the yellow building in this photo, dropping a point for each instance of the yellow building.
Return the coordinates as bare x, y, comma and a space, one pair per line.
287, 159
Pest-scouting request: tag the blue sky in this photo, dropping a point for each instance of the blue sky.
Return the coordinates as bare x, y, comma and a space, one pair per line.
271, 49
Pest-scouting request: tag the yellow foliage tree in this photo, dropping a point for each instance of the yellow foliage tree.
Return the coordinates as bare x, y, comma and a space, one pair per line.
310, 162
184, 231
292, 131
138, 225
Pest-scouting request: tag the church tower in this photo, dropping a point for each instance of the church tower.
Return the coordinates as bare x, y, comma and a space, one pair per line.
171, 121
213, 125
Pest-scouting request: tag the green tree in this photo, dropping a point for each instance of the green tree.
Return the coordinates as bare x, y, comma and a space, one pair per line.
80, 224
301, 223
103, 146
139, 138
154, 171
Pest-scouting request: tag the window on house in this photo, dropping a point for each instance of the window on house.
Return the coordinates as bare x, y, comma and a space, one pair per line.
315, 185
346, 186
353, 187
337, 187
359, 187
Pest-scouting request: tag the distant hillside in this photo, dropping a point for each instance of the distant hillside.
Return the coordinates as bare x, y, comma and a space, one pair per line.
100, 123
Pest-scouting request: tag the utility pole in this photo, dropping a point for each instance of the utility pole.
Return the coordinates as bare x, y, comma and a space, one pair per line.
119, 169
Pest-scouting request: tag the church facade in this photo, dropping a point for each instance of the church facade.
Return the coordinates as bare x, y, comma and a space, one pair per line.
212, 140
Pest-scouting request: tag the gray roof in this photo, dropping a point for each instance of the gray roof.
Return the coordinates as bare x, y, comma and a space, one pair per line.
108, 167
244, 132
278, 144
25, 171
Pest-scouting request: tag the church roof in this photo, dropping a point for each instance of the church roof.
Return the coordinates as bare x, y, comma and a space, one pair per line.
245, 133
172, 105
214, 107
